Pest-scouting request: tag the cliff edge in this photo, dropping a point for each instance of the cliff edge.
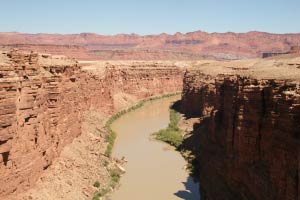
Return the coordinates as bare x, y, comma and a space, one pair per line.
247, 140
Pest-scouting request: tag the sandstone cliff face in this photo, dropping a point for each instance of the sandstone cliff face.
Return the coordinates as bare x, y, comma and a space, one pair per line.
247, 142
43, 100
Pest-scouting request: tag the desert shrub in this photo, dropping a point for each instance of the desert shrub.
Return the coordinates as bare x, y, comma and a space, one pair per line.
114, 177
171, 137
96, 196
97, 184
172, 134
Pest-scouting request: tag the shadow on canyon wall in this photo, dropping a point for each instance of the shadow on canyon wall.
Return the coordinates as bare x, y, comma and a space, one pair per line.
206, 154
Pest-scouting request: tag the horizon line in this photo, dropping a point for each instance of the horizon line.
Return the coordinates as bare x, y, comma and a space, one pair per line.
151, 34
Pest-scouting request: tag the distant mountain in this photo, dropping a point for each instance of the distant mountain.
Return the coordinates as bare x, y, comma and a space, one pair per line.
194, 45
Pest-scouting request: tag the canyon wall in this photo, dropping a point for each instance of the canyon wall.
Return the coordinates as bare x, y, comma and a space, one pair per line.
82, 52
247, 140
43, 100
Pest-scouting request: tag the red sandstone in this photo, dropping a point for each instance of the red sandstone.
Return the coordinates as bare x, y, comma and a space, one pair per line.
43, 100
190, 46
247, 141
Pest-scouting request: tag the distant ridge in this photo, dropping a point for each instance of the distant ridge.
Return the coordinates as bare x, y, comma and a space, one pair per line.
192, 45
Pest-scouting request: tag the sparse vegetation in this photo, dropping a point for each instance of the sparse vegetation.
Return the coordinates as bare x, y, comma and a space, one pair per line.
100, 193
105, 163
96, 196
115, 176
172, 134
97, 184
111, 139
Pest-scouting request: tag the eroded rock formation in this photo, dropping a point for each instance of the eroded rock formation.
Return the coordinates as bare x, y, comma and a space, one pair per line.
43, 100
247, 141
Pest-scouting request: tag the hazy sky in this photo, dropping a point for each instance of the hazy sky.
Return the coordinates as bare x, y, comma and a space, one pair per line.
149, 16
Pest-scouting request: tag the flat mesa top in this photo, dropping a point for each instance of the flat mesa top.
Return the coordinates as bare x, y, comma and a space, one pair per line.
7, 58
51, 60
275, 68
281, 68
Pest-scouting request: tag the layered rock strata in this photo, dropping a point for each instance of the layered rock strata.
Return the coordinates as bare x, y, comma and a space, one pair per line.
193, 45
247, 141
43, 100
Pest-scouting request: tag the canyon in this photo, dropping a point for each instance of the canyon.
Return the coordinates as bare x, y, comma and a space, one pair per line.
190, 46
244, 132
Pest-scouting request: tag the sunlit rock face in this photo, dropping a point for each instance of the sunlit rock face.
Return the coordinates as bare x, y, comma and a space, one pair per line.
43, 99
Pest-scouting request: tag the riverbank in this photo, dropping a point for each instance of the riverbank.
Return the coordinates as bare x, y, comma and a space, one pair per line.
112, 135
153, 170
114, 167
175, 134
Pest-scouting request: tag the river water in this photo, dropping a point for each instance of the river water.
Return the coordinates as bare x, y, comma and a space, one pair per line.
154, 171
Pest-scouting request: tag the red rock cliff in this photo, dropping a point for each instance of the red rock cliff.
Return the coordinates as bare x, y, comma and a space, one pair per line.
247, 141
42, 101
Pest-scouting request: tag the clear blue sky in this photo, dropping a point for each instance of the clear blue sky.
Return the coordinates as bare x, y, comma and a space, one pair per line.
149, 16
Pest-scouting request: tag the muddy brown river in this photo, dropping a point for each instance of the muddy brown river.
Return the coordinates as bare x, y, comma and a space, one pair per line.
154, 170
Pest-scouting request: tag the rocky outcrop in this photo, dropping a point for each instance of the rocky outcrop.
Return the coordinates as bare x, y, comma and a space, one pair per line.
43, 100
247, 141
